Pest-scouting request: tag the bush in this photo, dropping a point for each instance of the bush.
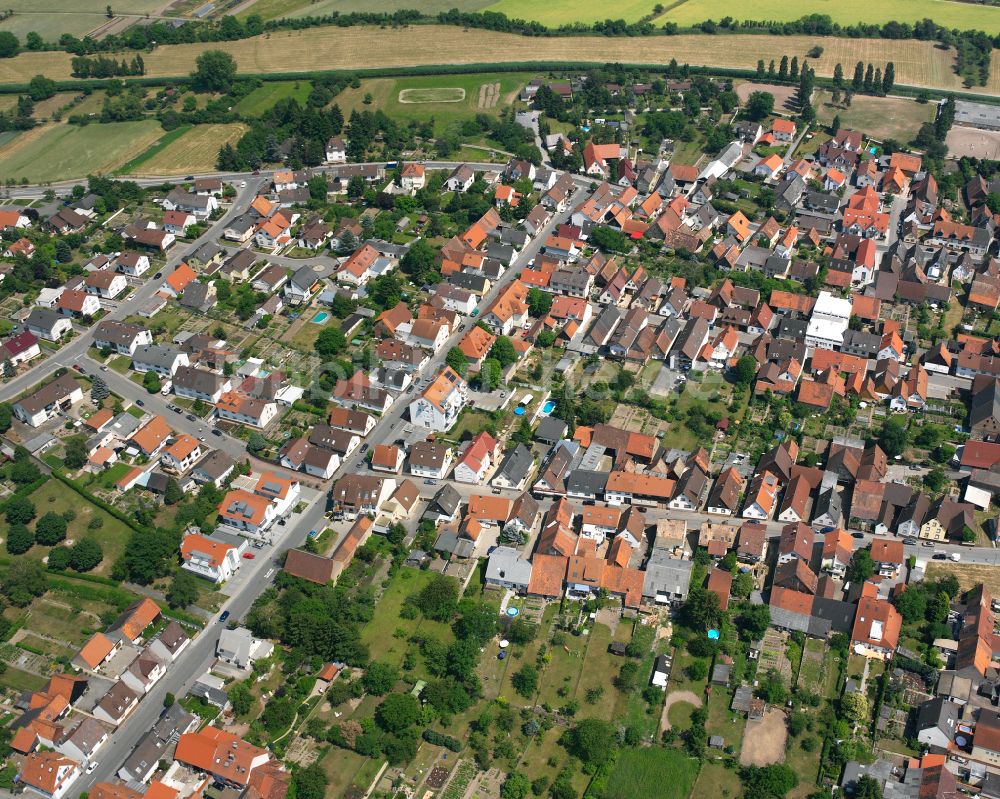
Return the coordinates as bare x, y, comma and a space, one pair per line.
440, 739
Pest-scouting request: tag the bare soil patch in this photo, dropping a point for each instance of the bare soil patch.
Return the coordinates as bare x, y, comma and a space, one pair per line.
784, 96
764, 740
672, 699
973, 142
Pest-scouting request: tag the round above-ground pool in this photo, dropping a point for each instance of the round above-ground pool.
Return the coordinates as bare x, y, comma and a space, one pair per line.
512, 612
519, 410
713, 635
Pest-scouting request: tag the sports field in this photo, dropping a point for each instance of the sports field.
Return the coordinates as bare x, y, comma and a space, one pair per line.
435, 96
917, 63
879, 117
61, 152
78, 17
195, 151
263, 97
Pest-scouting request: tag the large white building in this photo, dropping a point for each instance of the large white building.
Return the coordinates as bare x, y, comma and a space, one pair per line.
828, 323
438, 406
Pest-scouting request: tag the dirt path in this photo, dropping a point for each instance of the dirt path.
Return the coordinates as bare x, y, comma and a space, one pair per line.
672, 699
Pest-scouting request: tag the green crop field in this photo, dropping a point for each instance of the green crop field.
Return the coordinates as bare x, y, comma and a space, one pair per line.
63, 152
271, 9
562, 12
262, 98
665, 773
77, 17
945, 12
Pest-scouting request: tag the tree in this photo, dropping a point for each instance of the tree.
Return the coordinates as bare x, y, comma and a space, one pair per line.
593, 741
183, 589
420, 263
525, 680
867, 787
310, 782
759, 105
489, 374
889, 78
893, 436
20, 510
858, 81
701, 610
838, 76
855, 707
398, 712
935, 479
215, 71
151, 382
278, 715
869, 79
746, 370
380, 678
539, 302
516, 786
783, 69
41, 88
439, 598
86, 554
59, 558
503, 352
240, 698
6, 416
99, 390
330, 342
19, 539
256, 443
456, 360
769, 782
8, 44
50, 529
861, 566
835, 124
173, 493
753, 621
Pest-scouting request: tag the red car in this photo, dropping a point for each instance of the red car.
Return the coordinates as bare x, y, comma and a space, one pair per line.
249, 555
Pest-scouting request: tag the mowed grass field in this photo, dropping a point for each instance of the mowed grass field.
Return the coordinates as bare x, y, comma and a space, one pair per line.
433, 96
314, 49
949, 13
62, 152
879, 117
562, 12
195, 151
78, 17
665, 773
263, 97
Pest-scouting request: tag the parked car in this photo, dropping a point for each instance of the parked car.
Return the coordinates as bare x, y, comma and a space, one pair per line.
224, 616
910, 541
249, 555
216, 431
140, 403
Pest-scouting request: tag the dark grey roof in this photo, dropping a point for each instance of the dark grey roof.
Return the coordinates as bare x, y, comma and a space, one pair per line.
517, 464
156, 355
582, 481
447, 499
550, 430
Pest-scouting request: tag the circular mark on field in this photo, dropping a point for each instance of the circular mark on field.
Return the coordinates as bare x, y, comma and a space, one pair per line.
453, 94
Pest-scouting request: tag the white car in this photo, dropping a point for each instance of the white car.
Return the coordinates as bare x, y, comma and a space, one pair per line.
92, 766
956, 556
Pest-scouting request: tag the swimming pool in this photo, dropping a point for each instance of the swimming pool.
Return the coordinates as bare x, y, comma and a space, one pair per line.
320, 318
519, 410
548, 407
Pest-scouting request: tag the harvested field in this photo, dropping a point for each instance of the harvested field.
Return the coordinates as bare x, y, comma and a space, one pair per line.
917, 63
784, 96
489, 94
967, 574
973, 142
764, 740
195, 151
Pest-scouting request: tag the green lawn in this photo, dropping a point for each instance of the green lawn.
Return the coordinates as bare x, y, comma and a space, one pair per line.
263, 97
721, 720
386, 634
715, 780
57, 498
18, 680
61, 152
879, 117
77, 17
664, 773
562, 12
